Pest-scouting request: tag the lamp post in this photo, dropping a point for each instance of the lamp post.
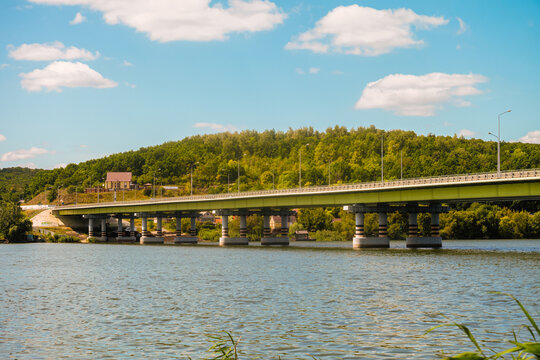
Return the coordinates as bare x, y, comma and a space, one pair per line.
239, 158
191, 186
300, 166
273, 181
498, 136
154, 185
382, 158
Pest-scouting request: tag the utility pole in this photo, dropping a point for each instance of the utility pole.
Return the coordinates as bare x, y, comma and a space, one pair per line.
382, 158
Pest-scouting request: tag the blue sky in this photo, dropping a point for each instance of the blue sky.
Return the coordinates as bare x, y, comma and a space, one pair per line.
81, 79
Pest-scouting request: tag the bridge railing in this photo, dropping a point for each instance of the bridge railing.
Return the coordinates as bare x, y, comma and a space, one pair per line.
411, 182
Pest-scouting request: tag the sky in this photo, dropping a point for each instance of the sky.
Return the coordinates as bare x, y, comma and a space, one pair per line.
81, 79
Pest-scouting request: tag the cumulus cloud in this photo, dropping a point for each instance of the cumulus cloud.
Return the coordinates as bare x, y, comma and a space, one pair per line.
466, 133
2, 138
60, 74
300, 71
532, 137
127, 63
79, 18
3, 66
188, 20
133, 86
24, 154
314, 70
364, 31
462, 26
60, 166
411, 95
214, 126
50, 52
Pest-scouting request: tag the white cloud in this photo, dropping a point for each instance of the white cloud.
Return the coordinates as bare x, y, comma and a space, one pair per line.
532, 137
462, 26
133, 86
411, 95
61, 74
2, 137
300, 71
466, 133
314, 70
364, 31
24, 154
83, 146
79, 18
61, 165
188, 20
50, 52
214, 126
3, 66
337, 72
127, 63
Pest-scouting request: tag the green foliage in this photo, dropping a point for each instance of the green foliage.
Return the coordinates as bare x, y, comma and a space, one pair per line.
315, 219
354, 155
14, 183
52, 195
524, 350
328, 235
61, 238
13, 223
224, 347
487, 221
209, 234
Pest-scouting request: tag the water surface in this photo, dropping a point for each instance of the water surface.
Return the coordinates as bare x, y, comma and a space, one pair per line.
90, 301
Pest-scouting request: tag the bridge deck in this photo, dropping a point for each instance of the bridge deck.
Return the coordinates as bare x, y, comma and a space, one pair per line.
523, 184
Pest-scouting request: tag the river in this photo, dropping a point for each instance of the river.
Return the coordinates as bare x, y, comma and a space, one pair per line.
90, 301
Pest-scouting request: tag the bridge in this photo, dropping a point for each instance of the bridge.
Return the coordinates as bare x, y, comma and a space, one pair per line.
412, 196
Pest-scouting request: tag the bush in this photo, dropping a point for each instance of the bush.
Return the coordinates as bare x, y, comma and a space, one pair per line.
328, 235
61, 238
209, 234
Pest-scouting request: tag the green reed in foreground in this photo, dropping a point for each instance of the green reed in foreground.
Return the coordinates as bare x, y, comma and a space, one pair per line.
519, 350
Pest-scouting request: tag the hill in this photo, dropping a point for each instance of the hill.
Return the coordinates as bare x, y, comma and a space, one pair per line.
272, 157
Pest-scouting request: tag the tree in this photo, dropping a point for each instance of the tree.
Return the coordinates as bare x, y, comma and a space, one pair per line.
315, 219
52, 195
13, 223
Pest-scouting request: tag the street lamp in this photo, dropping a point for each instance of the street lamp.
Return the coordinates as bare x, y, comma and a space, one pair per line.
498, 136
191, 186
300, 166
239, 158
401, 160
382, 158
154, 185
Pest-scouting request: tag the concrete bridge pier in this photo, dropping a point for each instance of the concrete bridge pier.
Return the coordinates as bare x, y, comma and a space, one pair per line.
434, 240
132, 226
121, 235
103, 236
192, 239
360, 241
147, 237
267, 232
284, 232
225, 240
91, 227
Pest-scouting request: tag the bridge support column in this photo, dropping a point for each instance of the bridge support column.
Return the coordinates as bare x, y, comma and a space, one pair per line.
359, 239
132, 226
147, 237
284, 232
225, 240
266, 226
91, 227
433, 241
103, 236
243, 226
121, 236
192, 239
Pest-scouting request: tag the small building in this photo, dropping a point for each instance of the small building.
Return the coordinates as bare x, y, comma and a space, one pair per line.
118, 181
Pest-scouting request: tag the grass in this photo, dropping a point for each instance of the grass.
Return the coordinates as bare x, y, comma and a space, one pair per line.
518, 350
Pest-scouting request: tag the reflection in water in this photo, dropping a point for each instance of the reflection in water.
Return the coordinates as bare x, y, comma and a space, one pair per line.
116, 301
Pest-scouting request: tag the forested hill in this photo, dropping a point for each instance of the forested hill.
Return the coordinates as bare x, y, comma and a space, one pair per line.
14, 182
354, 156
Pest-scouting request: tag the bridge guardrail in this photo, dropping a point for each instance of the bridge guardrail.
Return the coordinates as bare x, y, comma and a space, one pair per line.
465, 178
